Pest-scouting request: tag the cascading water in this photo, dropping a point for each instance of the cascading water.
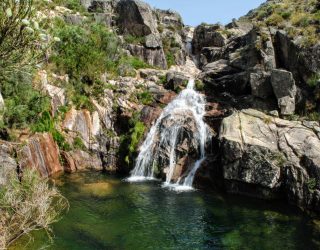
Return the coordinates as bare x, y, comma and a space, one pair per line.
187, 101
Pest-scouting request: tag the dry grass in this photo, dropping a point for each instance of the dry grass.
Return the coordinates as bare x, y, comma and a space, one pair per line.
27, 206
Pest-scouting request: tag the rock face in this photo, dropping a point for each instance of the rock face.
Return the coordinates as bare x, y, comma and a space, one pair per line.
41, 153
137, 19
285, 90
207, 36
263, 155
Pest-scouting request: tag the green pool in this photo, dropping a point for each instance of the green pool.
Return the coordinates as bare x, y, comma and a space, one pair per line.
108, 213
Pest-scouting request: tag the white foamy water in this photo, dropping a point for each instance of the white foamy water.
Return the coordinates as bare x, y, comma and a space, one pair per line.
187, 101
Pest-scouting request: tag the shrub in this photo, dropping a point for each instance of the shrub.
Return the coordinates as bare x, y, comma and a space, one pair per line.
170, 59
84, 53
300, 19
134, 39
274, 20
136, 134
19, 35
27, 206
23, 103
78, 143
314, 80
145, 97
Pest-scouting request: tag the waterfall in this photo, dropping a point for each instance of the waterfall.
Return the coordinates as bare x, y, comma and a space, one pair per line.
187, 101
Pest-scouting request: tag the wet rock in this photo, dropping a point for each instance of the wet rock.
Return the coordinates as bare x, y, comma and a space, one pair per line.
284, 89
79, 160
149, 115
41, 153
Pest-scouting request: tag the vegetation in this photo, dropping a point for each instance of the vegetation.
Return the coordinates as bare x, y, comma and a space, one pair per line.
19, 35
27, 206
297, 17
145, 97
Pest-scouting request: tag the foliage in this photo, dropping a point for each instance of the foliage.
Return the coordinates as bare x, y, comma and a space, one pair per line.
23, 103
170, 59
199, 85
27, 206
312, 184
47, 124
134, 39
314, 80
274, 20
19, 34
78, 143
136, 134
85, 53
145, 97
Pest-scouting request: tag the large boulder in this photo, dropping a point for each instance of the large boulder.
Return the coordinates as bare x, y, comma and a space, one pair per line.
208, 36
284, 89
136, 18
152, 56
41, 153
263, 156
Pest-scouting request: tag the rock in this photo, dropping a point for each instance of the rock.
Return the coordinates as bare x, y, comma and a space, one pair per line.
86, 3
284, 89
41, 153
1, 102
263, 153
149, 115
74, 19
186, 149
79, 160
176, 80
8, 165
153, 42
208, 36
149, 73
261, 85
87, 126
154, 57
136, 18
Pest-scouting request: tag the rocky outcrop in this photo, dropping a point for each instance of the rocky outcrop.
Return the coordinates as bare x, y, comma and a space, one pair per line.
264, 156
41, 153
208, 36
79, 160
285, 90
84, 124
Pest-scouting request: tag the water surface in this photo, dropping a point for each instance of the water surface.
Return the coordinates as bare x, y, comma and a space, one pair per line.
108, 213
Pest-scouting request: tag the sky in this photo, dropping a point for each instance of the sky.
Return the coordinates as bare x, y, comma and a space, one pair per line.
195, 12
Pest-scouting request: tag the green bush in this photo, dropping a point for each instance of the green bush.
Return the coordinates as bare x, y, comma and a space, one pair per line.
84, 53
274, 20
314, 80
23, 103
134, 39
78, 143
145, 97
136, 134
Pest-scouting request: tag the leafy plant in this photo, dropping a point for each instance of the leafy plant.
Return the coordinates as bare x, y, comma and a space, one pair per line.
145, 97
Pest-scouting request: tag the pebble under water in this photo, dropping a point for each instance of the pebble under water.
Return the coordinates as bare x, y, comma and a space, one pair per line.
108, 213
